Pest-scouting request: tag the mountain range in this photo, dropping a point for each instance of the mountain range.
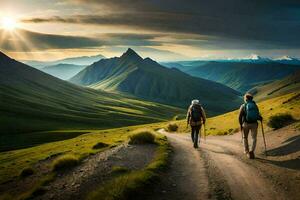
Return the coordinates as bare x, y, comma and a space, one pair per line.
63, 71
276, 88
32, 100
146, 79
82, 60
240, 76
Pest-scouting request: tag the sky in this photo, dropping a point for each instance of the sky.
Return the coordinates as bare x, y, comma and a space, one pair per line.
165, 30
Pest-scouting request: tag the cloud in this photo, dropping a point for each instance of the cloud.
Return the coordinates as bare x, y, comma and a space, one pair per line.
24, 40
268, 23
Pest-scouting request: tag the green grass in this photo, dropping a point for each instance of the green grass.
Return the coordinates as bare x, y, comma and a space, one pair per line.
20, 141
14, 161
280, 120
278, 88
65, 162
37, 190
119, 170
144, 136
131, 184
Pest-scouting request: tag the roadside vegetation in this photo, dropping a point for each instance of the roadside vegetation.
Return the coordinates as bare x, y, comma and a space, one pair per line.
59, 155
172, 127
280, 120
144, 136
65, 162
27, 172
131, 184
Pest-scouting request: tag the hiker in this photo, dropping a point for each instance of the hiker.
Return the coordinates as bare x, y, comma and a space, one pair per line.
248, 116
195, 117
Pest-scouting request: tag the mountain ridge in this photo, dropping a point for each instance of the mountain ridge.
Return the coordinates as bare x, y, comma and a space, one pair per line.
147, 79
32, 100
81, 60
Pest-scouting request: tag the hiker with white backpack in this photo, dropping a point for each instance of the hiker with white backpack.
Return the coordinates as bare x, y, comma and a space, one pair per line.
195, 118
248, 117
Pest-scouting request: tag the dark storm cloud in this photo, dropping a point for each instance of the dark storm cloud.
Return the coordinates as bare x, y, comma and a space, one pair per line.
23, 40
266, 22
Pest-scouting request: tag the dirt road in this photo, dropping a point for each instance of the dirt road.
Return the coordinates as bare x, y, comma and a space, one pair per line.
219, 170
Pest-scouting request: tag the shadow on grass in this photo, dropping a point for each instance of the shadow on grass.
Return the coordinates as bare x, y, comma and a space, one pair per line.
289, 164
18, 141
289, 146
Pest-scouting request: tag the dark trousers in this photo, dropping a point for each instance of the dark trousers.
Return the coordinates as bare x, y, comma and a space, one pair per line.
195, 134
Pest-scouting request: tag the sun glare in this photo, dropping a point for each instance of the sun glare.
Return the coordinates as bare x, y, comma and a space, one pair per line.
9, 23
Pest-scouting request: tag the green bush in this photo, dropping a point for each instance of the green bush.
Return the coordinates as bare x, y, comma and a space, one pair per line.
65, 162
120, 170
280, 120
172, 127
27, 172
100, 145
142, 137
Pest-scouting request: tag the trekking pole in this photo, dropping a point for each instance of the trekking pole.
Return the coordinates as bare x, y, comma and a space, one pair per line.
263, 134
242, 134
204, 132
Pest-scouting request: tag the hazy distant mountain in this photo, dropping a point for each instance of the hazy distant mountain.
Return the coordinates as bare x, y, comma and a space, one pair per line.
252, 59
280, 87
288, 60
33, 100
238, 75
145, 78
63, 71
83, 60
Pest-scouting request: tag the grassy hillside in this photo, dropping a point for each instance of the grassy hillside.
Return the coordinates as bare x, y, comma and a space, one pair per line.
241, 76
228, 123
34, 101
146, 79
277, 88
63, 71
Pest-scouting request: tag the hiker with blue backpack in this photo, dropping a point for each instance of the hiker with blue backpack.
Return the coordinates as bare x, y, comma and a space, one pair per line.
195, 118
248, 117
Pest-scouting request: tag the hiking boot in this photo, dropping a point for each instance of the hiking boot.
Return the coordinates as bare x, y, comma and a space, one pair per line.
195, 146
248, 155
251, 155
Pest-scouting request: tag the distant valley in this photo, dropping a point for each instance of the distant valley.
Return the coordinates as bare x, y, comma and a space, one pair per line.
241, 75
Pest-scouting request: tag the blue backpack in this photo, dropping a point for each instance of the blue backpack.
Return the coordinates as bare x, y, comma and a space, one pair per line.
251, 112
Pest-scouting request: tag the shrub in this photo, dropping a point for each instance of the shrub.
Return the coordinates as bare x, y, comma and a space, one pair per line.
176, 117
172, 127
142, 137
100, 145
119, 170
65, 162
280, 120
27, 172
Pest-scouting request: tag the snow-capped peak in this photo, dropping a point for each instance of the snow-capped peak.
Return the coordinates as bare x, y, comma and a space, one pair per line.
254, 57
284, 58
